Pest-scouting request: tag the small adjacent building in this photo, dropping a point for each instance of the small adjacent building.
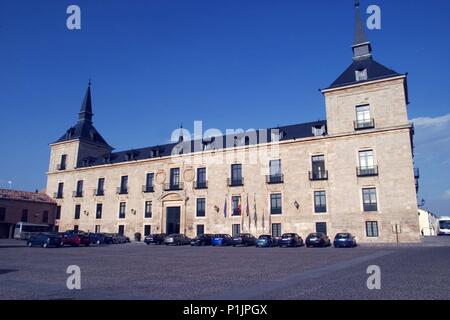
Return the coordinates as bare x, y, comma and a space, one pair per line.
22, 206
427, 222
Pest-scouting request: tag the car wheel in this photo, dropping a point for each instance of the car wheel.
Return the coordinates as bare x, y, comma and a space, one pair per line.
45, 245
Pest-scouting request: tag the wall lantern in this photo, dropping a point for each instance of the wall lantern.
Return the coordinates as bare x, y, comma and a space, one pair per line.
133, 211
86, 213
296, 204
216, 208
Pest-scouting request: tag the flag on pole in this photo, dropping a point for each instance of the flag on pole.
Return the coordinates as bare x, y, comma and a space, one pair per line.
255, 217
242, 215
263, 222
247, 211
270, 223
225, 208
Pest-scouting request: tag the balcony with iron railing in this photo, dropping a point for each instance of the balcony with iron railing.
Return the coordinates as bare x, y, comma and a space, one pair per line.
173, 186
201, 184
235, 182
99, 193
61, 166
371, 171
364, 124
58, 195
78, 194
370, 207
148, 189
318, 175
416, 173
122, 190
275, 178
275, 211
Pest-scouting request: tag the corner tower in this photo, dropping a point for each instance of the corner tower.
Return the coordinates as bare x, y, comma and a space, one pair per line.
81, 143
367, 95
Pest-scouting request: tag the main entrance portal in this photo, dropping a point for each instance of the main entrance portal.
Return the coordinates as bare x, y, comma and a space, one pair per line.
173, 220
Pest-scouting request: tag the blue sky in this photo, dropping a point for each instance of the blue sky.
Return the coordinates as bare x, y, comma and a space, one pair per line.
230, 63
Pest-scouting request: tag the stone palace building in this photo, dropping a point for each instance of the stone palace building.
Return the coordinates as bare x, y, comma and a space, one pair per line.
353, 172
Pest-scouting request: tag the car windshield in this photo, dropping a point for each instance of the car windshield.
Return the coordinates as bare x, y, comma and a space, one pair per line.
343, 235
219, 236
288, 235
173, 235
264, 237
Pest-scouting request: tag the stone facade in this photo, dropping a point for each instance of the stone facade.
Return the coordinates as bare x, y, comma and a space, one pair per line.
395, 183
365, 185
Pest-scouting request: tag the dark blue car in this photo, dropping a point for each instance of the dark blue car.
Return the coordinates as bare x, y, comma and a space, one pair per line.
46, 240
222, 240
344, 240
266, 241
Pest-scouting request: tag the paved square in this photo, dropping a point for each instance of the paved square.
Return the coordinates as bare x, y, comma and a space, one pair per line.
138, 271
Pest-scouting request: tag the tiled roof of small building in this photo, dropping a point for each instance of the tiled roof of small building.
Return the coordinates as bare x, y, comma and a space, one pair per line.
8, 194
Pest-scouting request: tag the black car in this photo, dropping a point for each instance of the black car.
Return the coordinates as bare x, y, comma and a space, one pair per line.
290, 240
46, 240
119, 238
318, 239
176, 239
100, 238
244, 239
155, 238
202, 240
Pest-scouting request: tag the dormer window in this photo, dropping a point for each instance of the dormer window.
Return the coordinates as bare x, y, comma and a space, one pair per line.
319, 130
361, 74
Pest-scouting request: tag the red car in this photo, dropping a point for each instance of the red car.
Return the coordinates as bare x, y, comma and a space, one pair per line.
76, 238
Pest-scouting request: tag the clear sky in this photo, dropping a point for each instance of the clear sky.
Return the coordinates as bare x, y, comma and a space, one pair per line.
230, 63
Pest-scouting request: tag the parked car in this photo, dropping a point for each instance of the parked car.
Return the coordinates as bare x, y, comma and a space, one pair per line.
100, 238
46, 240
202, 240
120, 238
318, 239
346, 240
244, 239
222, 240
290, 240
177, 239
76, 238
155, 238
266, 240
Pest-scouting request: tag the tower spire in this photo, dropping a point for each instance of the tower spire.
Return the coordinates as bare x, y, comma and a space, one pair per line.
85, 113
362, 49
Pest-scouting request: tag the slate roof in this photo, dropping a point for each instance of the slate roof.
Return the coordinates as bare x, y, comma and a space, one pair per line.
291, 132
375, 71
85, 131
8, 194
